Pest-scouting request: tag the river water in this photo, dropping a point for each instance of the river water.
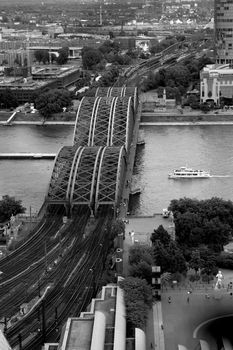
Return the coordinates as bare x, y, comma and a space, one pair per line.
166, 148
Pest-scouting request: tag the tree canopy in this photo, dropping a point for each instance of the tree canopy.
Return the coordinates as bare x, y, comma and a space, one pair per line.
140, 262
138, 300
198, 222
53, 101
63, 55
8, 99
90, 57
10, 206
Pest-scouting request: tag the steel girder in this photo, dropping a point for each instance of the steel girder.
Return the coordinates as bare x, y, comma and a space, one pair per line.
117, 91
122, 122
132, 91
84, 119
103, 91
110, 176
58, 191
85, 176
101, 124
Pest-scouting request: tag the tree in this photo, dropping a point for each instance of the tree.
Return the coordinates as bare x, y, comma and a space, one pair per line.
10, 206
40, 55
170, 258
53, 101
90, 57
139, 253
138, 300
141, 270
161, 235
8, 99
208, 222
204, 107
117, 228
63, 55
195, 262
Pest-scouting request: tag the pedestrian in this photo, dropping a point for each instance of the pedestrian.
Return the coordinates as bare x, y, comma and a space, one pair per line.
169, 300
151, 345
188, 300
129, 233
162, 327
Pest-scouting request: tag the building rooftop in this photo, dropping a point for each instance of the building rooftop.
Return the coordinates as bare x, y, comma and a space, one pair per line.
21, 83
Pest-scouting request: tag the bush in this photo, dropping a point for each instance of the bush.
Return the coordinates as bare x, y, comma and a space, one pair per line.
225, 261
194, 278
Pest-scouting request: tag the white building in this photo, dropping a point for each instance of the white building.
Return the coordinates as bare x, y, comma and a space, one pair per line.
216, 81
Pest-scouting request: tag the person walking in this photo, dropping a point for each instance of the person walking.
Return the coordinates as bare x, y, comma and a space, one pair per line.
169, 300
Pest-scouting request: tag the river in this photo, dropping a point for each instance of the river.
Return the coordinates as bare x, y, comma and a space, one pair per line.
166, 148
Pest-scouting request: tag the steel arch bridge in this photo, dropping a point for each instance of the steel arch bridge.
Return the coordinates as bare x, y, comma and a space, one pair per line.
104, 121
92, 171
92, 176
123, 91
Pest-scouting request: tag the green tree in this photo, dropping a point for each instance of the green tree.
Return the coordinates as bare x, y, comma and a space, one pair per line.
196, 262
40, 55
208, 222
53, 101
90, 57
10, 206
139, 253
170, 258
63, 55
161, 235
141, 270
117, 228
138, 300
8, 99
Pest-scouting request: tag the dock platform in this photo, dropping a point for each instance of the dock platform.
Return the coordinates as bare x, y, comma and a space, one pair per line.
27, 155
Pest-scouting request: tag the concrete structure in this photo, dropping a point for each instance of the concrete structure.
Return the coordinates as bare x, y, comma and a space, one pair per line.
224, 31
216, 81
4, 345
74, 51
102, 327
43, 78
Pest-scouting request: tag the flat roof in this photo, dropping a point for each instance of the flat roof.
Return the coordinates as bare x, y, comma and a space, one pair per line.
17, 84
79, 334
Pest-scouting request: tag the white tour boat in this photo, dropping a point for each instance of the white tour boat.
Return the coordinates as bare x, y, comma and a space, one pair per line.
188, 173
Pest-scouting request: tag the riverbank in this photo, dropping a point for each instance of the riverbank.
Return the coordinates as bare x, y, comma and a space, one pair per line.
64, 118
169, 117
187, 118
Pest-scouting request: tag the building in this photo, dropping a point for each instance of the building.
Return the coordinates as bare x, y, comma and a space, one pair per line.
103, 326
224, 31
42, 79
216, 83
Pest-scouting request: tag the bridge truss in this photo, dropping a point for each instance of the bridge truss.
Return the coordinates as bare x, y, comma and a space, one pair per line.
92, 171
110, 176
61, 175
91, 176
104, 121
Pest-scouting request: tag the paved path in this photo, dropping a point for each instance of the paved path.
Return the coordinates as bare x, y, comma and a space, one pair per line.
158, 327
227, 122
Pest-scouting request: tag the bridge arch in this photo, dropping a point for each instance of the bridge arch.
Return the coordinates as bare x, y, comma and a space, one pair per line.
122, 122
110, 178
85, 176
102, 122
84, 119
58, 190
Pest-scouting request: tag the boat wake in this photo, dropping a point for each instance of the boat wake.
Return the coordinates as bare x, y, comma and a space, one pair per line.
221, 175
